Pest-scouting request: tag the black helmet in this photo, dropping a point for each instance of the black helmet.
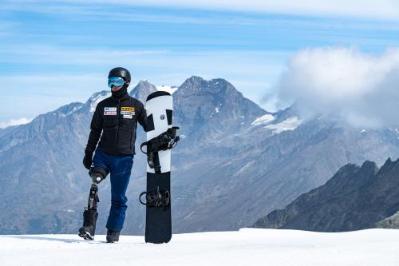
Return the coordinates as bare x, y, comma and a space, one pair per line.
120, 72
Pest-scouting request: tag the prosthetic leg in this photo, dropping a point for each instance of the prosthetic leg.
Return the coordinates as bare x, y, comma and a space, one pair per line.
87, 231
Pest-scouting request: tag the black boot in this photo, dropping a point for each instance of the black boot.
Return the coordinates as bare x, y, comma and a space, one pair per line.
88, 229
112, 236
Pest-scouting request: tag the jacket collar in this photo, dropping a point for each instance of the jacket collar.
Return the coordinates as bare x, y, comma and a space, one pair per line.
123, 98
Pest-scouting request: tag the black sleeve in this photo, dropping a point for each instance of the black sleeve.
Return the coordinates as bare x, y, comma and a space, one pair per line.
96, 127
142, 117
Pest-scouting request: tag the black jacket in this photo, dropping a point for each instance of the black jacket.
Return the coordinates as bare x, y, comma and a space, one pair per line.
117, 120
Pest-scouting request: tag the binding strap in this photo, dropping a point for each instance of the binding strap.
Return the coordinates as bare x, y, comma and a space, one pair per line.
162, 142
156, 198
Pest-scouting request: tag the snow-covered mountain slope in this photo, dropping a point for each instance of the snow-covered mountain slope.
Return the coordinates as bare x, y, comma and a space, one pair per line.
96, 98
244, 247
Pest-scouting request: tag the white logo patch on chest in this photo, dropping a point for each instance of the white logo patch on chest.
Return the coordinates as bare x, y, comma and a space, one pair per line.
128, 116
110, 111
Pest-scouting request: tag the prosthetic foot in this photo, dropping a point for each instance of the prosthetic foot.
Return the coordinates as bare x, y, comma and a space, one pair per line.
87, 231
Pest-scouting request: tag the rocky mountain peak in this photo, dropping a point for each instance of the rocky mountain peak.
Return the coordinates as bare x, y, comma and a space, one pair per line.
193, 82
213, 106
369, 167
142, 90
96, 98
197, 86
388, 165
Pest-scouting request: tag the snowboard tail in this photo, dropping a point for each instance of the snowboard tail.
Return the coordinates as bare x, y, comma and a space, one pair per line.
158, 216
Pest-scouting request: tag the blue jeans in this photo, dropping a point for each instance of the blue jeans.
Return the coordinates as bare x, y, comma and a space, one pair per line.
119, 168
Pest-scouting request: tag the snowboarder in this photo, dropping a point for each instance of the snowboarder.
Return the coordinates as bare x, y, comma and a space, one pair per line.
114, 125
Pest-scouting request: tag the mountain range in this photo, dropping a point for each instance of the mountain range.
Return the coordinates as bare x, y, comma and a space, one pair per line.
236, 162
356, 197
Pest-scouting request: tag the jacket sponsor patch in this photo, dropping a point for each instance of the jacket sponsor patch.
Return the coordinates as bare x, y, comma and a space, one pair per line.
127, 108
127, 111
110, 111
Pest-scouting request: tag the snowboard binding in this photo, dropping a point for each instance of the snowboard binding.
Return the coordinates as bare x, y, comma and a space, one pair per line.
156, 198
90, 214
162, 142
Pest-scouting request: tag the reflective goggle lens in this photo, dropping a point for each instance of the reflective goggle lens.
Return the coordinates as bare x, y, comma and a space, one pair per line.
115, 82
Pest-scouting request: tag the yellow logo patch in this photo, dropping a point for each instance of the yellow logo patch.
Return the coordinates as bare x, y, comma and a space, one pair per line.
127, 112
127, 109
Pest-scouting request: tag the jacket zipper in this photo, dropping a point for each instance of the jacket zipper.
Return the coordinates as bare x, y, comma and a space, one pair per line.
119, 120
131, 135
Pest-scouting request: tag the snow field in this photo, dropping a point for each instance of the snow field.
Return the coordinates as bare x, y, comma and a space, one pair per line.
245, 247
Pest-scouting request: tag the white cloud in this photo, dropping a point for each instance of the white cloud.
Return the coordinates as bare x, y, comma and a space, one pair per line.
15, 122
363, 88
381, 9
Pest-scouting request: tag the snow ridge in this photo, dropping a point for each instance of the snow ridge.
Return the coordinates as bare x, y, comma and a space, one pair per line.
286, 125
263, 120
96, 98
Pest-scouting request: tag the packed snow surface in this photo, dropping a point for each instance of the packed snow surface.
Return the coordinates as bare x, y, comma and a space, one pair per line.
244, 247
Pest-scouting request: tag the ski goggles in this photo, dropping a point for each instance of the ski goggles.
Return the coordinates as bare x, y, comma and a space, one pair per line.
115, 82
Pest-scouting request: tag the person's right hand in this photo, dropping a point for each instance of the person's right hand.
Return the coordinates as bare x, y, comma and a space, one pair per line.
88, 160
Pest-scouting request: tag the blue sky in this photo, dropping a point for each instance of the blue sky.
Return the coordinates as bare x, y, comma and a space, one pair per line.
56, 52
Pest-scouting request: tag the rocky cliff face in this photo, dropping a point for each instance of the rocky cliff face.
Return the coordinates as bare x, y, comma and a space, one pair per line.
389, 222
354, 198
